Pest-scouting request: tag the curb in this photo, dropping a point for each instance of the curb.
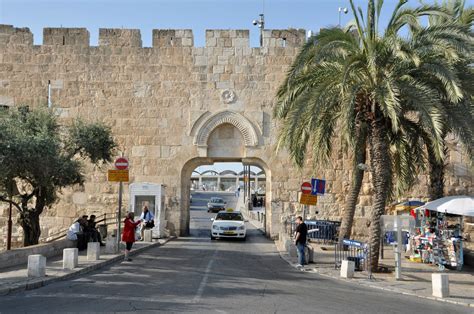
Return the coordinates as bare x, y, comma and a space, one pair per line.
40, 282
365, 284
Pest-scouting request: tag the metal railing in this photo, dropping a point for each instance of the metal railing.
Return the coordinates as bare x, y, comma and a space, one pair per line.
101, 220
323, 231
355, 251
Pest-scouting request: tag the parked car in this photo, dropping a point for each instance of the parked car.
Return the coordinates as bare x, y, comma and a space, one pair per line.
228, 225
215, 205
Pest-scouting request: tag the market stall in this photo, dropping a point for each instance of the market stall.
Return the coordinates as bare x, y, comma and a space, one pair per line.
438, 231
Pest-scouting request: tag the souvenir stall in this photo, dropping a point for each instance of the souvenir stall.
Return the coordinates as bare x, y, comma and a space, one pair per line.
438, 231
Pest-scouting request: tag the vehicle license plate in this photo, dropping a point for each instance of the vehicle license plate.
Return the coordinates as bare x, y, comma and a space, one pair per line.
229, 232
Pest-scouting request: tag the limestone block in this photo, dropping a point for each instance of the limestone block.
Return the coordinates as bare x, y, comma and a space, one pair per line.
70, 258
79, 198
36, 265
93, 251
347, 269
148, 235
6, 101
440, 284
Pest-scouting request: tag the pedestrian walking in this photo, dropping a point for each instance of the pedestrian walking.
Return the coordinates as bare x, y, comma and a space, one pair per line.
128, 235
300, 240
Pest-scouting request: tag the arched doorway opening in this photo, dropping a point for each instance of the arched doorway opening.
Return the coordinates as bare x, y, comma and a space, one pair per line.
198, 187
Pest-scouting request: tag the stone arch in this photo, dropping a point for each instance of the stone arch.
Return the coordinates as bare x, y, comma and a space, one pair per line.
246, 128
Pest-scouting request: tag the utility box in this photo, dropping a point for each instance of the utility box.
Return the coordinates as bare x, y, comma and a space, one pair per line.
153, 196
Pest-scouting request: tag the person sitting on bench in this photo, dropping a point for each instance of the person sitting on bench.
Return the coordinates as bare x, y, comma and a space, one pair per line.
92, 234
76, 233
147, 219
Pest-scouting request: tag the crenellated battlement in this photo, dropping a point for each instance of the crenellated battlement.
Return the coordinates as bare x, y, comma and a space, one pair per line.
162, 38
173, 38
10, 35
120, 37
66, 36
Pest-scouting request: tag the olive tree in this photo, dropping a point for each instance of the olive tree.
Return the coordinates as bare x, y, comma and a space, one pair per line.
39, 157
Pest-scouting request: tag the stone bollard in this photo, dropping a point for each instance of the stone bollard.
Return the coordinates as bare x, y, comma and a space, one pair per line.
36, 265
347, 269
93, 251
111, 245
147, 235
440, 284
70, 258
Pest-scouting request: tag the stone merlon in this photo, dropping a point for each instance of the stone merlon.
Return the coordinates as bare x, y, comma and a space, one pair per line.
118, 37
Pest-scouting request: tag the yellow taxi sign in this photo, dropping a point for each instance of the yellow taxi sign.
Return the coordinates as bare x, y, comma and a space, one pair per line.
118, 175
229, 210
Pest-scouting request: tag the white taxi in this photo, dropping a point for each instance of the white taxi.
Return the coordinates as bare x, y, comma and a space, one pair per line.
228, 224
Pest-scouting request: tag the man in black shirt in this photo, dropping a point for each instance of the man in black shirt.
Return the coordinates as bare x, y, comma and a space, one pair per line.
300, 239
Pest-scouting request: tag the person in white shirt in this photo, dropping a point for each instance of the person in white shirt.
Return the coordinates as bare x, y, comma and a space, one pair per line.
147, 219
76, 233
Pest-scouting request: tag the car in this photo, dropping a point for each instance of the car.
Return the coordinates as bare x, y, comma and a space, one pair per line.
228, 225
215, 205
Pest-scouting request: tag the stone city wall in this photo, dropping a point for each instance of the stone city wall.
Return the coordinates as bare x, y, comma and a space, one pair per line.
173, 107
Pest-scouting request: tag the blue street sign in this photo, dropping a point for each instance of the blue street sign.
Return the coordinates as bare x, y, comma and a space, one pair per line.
352, 243
318, 186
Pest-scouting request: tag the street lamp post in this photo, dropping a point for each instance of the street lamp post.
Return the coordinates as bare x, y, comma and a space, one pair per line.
261, 24
341, 10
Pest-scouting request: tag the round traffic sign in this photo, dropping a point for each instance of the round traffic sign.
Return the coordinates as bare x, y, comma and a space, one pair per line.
306, 188
121, 163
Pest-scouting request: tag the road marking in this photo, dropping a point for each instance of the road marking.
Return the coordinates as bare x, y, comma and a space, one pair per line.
204, 279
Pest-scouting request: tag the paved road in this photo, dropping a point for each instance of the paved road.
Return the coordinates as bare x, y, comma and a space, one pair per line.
196, 274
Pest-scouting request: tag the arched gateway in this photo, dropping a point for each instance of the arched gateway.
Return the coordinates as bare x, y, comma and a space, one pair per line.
223, 136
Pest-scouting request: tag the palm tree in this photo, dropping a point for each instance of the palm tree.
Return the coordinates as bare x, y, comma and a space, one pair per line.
344, 78
459, 117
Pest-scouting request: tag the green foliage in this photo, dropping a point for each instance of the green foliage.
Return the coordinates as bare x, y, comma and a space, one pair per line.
93, 141
40, 159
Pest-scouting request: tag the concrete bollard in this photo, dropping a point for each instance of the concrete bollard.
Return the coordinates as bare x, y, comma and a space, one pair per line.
147, 235
440, 284
93, 251
70, 258
36, 265
347, 269
111, 245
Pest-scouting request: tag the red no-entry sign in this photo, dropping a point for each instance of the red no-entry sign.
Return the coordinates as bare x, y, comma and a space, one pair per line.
121, 163
306, 188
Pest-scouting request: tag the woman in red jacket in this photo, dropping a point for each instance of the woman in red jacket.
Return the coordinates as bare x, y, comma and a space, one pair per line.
128, 235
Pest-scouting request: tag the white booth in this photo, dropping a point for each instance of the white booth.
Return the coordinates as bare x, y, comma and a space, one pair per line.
153, 196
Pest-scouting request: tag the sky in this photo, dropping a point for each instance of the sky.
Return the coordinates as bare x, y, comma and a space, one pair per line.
197, 15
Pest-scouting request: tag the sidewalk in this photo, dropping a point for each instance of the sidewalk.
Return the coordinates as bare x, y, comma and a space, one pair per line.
15, 279
416, 277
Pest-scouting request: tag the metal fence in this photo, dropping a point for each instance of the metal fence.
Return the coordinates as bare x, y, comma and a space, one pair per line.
351, 250
323, 231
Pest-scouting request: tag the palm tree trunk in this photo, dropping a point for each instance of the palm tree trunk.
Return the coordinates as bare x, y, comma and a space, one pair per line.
381, 179
357, 176
436, 184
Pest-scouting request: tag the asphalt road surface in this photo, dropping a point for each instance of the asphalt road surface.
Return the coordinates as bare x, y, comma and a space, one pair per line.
196, 274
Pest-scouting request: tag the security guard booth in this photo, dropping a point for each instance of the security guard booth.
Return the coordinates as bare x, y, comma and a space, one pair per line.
151, 195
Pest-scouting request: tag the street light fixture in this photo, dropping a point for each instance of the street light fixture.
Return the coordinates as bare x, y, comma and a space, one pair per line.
341, 10
260, 24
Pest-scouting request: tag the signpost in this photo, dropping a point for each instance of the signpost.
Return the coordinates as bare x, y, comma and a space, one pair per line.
119, 175
306, 197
